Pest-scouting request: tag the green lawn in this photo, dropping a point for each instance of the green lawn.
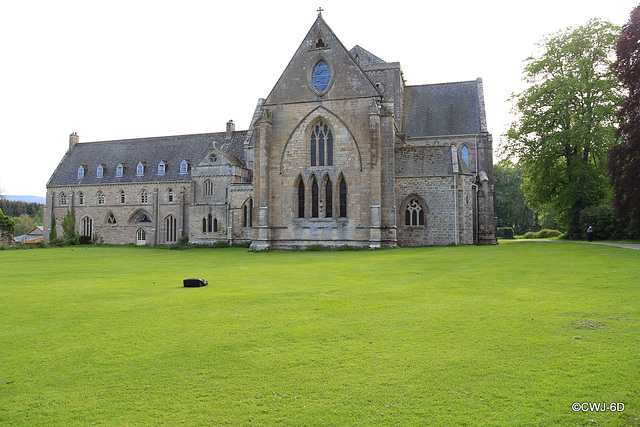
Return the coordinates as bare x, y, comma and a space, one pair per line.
506, 335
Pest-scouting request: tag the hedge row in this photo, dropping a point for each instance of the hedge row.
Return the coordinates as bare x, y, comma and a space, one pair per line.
542, 234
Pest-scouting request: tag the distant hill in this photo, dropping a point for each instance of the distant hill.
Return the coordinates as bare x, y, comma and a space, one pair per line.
28, 199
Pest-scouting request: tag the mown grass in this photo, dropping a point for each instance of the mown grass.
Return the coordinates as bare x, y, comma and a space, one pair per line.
506, 335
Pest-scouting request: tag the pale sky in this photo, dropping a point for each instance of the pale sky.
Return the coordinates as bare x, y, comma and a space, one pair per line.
134, 69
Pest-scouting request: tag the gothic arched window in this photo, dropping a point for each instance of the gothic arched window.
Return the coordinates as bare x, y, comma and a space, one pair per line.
314, 197
328, 198
321, 145
208, 188
171, 228
343, 198
247, 213
300, 198
87, 226
465, 154
414, 214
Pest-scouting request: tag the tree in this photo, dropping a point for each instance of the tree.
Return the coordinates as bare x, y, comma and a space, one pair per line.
24, 224
624, 158
17, 208
69, 228
511, 208
7, 224
565, 121
53, 234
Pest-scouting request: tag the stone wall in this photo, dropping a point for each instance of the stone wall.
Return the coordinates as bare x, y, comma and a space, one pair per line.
290, 161
426, 174
127, 215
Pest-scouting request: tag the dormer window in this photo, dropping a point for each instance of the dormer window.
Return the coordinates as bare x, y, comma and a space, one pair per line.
80, 172
120, 169
99, 171
140, 169
184, 166
162, 168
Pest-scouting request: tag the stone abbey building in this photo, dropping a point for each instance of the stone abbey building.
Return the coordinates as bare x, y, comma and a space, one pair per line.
341, 152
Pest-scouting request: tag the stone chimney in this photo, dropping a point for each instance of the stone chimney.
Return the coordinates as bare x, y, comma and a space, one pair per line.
231, 127
73, 140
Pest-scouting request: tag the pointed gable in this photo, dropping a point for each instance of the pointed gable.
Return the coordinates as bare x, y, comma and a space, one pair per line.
321, 69
365, 58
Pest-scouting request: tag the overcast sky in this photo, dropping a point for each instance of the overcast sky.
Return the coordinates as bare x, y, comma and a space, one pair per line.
133, 69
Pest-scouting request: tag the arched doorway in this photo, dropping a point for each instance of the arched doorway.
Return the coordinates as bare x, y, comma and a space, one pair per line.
141, 237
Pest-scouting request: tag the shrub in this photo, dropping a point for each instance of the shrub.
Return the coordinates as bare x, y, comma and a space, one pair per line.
57, 242
546, 234
604, 222
505, 232
351, 248
542, 234
53, 234
84, 240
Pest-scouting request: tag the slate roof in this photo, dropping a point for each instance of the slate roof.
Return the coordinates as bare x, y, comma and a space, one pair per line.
170, 149
442, 109
424, 161
365, 58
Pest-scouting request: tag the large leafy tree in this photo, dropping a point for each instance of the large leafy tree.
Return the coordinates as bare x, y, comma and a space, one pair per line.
624, 158
565, 121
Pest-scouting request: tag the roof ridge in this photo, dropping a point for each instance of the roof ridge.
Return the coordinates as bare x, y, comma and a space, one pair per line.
443, 83
147, 138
